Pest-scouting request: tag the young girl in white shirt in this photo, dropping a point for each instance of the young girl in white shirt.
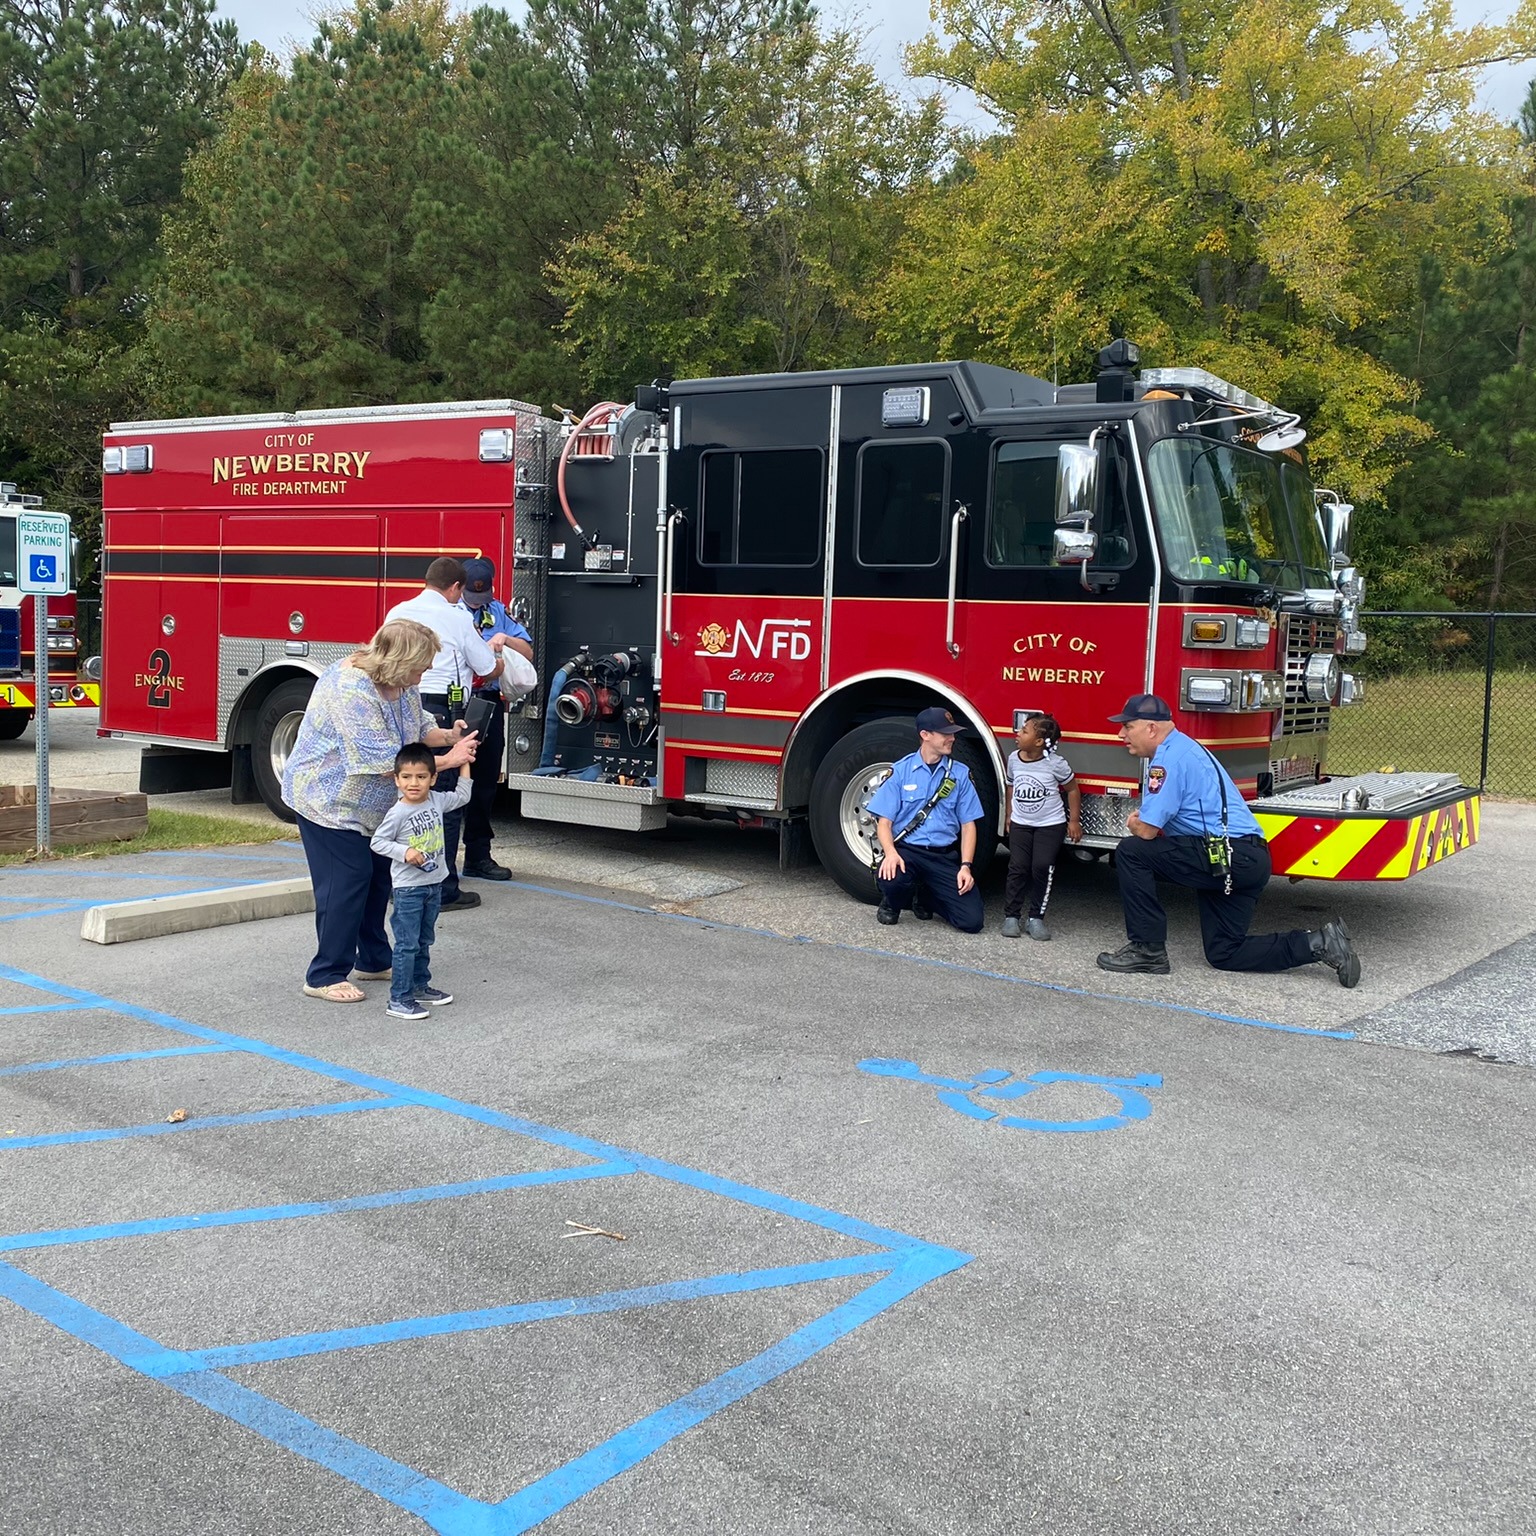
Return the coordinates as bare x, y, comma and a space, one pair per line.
1038, 777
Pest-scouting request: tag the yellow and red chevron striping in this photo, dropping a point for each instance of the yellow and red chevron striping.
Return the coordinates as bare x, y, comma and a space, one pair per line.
1370, 848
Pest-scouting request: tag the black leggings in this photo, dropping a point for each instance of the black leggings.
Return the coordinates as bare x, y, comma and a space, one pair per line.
1032, 855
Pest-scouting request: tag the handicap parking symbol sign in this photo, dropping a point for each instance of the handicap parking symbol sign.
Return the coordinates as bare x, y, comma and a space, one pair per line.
45, 568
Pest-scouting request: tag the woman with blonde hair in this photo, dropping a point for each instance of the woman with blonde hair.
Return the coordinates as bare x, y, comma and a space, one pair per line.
339, 781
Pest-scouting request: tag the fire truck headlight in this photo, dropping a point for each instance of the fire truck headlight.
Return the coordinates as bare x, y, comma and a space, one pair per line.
1320, 680
62, 643
1252, 634
1263, 690
1351, 689
1355, 642
1208, 692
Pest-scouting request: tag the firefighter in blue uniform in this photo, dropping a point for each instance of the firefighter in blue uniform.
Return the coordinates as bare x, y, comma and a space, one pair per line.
491, 618
1194, 829
928, 809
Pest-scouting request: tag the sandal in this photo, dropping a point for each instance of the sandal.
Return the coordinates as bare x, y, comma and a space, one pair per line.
337, 992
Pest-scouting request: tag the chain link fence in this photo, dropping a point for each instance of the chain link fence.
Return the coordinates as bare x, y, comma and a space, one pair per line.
1444, 691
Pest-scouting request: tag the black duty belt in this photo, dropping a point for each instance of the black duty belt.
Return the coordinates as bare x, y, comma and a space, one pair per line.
941, 852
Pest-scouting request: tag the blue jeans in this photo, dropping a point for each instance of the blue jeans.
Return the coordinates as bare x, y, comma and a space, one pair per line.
416, 908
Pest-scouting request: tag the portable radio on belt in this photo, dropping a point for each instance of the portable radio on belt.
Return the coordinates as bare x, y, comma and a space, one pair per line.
456, 694
1218, 850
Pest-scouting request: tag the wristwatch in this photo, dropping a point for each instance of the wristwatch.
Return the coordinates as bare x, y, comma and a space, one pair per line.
965, 864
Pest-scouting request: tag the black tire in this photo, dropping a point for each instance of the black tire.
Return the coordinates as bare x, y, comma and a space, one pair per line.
277, 726
13, 722
851, 772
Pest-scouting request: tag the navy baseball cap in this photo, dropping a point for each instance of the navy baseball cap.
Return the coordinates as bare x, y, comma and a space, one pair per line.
940, 720
479, 578
1143, 706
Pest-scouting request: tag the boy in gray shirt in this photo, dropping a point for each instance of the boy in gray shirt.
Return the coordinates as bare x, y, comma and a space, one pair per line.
411, 837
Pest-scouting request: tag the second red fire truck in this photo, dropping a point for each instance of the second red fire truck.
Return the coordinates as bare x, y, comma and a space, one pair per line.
741, 591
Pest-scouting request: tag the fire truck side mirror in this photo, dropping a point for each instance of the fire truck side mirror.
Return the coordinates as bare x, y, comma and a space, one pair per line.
1077, 484
1074, 546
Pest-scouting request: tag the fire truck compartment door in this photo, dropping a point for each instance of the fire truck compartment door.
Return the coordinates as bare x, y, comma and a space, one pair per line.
319, 573
160, 640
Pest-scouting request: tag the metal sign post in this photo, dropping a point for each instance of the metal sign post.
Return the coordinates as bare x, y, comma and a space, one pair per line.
43, 561
40, 724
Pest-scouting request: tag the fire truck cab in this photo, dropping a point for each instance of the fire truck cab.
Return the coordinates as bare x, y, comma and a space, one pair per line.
67, 687
741, 590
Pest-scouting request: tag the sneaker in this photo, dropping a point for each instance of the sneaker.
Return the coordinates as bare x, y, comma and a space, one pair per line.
1332, 945
410, 1010
461, 903
1011, 928
1151, 959
1036, 929
486, 869
433, 996
887, 915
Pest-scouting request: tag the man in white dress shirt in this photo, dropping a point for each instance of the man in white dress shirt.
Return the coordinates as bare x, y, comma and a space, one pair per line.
448, 684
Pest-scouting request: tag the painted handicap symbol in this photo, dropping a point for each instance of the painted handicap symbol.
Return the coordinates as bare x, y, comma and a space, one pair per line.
44, 568
994, 1084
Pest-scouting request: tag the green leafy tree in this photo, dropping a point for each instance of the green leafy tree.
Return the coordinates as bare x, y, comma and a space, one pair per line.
754, 246
294, 277
1469, 346
1249, 186
100, 103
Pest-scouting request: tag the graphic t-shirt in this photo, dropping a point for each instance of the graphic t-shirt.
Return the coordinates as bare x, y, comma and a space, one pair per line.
1037, 789
419, 826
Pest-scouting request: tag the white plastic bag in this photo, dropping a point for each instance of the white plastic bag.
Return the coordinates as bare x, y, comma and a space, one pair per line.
518, 675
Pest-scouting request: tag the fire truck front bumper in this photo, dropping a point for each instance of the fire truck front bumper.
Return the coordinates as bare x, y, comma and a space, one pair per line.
63, 693
1375, 826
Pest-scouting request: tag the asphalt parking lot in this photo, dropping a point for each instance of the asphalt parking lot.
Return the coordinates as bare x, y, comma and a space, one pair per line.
864, 1242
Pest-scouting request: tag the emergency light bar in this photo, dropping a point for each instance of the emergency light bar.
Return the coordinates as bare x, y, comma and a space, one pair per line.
1199, 378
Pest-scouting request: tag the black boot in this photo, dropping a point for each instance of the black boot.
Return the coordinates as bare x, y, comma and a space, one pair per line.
1333, 947
887, 915
1149, 959
920, 908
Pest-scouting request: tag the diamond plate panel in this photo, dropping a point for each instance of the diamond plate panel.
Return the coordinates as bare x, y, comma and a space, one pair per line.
258, 657
757, 782
1104, 815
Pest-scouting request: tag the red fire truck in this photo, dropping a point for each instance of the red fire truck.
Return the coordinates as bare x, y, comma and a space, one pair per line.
741, 590
18, 637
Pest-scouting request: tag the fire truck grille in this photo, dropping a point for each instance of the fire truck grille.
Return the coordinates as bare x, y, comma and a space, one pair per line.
1304, 637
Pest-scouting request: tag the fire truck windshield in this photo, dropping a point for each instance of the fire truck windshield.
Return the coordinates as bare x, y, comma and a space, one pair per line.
1227, 513
8, 576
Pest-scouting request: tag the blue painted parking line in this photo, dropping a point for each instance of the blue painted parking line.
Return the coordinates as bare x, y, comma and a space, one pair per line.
200, 1123
113, 1060
450, 1323
208, 1221
54, 911
900, 1265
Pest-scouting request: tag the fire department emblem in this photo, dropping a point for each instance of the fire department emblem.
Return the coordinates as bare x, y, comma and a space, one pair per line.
714, 639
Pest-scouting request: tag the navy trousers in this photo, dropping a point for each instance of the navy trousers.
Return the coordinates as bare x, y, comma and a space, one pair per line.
937, 869
1142, 862
483, 774
351, 896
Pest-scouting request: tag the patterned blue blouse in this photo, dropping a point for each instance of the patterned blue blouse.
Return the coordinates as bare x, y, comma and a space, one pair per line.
340, 772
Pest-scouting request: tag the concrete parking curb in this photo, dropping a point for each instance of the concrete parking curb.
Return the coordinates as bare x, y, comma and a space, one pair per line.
118, 922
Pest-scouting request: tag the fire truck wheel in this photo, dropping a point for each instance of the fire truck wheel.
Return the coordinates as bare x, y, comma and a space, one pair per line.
841, 826
277, 728
13, 722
